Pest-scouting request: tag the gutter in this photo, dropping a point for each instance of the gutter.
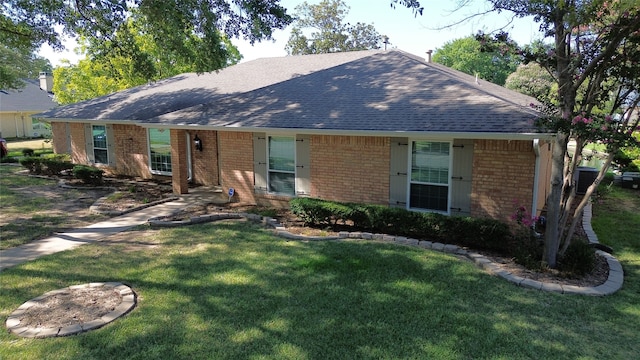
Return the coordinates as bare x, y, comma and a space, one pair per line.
292, 131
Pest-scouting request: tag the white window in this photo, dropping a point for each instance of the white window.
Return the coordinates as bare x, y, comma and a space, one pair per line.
100, 152
429, 181
160, 151
282, 165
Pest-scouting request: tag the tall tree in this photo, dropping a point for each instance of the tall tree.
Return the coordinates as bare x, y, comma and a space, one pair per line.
466, 55
533, 80
19, 64
327, 32
98, 75
594, 55
172, 25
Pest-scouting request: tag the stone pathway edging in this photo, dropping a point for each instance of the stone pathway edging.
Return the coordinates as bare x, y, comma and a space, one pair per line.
127, 304
611, 285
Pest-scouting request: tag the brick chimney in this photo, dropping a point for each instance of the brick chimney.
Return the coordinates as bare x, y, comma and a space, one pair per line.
46, 81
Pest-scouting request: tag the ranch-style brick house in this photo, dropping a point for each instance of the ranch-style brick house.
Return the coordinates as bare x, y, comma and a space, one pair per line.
380, 127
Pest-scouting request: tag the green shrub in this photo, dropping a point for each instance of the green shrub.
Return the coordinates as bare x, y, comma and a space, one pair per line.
28, 152
54, 166
310, 211
627, 159
9, 160
88, 174
579, 259
527, 250
481, 233
33, 164
51, 165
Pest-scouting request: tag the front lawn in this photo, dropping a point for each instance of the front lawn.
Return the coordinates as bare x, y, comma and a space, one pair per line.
233, 291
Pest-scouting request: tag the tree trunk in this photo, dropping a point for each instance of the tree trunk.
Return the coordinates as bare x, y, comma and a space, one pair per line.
578, 212
552, 232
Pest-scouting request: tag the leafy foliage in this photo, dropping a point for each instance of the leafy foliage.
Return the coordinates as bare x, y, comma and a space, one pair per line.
593, 59
172, 26
328, 33
533, 80
467, 55
98, 75
467, 231
88, 174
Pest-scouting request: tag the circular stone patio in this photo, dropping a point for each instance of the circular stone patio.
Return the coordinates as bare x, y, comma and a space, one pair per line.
71, 310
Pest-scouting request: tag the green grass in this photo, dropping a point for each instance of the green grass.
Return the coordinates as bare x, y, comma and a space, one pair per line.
231, 290
30, 223
234, 291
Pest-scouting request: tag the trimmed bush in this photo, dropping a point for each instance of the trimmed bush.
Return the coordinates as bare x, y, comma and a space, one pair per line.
28, 152
88, 174
480, 233
33, 164
579, 259
9, 160
53, 166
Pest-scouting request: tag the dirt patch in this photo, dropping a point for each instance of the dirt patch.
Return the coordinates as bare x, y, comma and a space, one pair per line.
596, 277
70, 307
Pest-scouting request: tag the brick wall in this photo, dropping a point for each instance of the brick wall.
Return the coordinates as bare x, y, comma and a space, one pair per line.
60, 138
179, 164
350, 168
236, 164
205, 162
78, 144
503, 173
132, 153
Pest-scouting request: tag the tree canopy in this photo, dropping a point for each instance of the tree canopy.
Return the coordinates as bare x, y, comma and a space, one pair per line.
533, 80
98, 75
328, 33
466, 55
171, 25
593, 58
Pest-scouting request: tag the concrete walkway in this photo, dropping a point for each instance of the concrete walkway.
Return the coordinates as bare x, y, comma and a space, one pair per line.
72, 239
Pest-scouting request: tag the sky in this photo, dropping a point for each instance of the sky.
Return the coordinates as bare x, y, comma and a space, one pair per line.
413, 34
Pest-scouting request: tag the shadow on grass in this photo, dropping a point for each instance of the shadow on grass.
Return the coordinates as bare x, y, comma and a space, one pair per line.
230, 291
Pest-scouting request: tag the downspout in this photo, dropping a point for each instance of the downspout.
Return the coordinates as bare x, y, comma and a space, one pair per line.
218, 157
189, 162
536, 177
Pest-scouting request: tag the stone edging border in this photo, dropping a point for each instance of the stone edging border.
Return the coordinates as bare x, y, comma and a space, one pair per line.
611, 285
128, 302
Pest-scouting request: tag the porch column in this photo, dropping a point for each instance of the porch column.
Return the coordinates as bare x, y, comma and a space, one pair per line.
179, 163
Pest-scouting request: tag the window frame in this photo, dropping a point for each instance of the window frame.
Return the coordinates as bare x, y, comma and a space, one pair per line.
151, 157
105, 149
293, 138
411, 182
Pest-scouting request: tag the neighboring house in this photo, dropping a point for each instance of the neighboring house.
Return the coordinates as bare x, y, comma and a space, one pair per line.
17, 108
381, 127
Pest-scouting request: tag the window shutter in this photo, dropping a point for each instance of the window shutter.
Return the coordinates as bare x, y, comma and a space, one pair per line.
303, 165
111, 154
88, 138
461, 175
398, 172
260, 162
